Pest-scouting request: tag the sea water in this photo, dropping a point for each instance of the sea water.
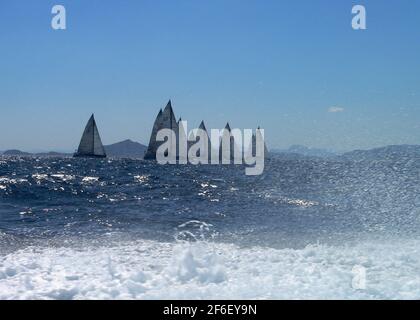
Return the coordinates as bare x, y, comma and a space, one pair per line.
131, 229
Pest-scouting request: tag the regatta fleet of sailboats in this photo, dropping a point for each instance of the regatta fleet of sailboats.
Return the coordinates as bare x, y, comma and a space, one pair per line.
91, 145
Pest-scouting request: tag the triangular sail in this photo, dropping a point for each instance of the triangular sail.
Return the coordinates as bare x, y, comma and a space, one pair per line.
169, 120
227, 150
252, 148
91, 144
164, 120
203, 127
153, 145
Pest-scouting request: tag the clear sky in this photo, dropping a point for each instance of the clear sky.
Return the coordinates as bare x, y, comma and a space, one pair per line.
282, 65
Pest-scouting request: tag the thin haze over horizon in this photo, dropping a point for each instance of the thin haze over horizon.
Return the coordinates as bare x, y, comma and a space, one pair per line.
296, 69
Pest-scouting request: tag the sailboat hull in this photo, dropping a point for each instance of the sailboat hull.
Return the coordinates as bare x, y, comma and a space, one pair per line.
76, 155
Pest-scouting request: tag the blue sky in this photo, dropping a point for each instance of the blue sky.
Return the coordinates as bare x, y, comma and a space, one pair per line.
278, 64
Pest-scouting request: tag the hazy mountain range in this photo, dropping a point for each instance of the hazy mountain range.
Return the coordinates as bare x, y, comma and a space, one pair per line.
123, 149
136, 150
305, 151
126, 149
389, 152
383, 153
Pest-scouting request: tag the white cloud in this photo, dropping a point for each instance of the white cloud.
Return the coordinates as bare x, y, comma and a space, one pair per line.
335, 109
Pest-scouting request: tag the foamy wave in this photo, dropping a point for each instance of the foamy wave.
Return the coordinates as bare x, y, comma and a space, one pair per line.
153, 270
88, 180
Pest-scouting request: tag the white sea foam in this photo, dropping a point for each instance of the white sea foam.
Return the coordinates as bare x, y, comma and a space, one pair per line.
63, 177
153, 270
12, 181
90, 179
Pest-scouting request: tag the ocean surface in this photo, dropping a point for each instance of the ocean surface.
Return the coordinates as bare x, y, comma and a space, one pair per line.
131, 229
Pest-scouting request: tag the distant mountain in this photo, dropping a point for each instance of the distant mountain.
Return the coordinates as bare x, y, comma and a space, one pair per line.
384, 153
123, 149
16, 153
126, 149
135, 150
298, 150
284, 156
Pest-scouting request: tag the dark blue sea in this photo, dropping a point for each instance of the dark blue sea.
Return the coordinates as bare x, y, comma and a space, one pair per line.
132, 229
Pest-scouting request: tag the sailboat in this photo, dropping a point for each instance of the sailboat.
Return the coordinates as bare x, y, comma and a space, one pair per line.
164, 120
227, 145
91, 145
253, 145
203, 127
